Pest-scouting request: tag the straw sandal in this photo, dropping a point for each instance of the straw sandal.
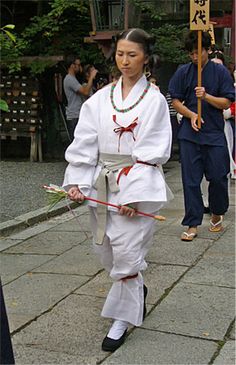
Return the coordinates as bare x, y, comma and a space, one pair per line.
185, 236
216, 227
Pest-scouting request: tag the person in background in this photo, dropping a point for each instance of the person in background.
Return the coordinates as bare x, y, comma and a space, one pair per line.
114, 74
87, 69
217, 56
202, 151
174, 121
152, 79
75, 92
122, 140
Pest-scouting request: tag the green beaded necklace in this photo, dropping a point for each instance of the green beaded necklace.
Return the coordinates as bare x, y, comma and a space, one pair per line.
132, 106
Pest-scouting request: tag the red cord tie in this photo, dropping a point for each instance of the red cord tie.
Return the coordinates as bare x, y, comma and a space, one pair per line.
127, 169
122, 130
124, 171
129, 277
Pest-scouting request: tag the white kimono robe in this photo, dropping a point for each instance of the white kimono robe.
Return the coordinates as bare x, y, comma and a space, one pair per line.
127, 239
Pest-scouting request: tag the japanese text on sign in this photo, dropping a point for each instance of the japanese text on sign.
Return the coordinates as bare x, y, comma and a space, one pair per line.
199, 14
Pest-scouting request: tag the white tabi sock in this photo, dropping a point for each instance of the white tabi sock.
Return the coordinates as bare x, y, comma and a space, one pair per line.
117, 329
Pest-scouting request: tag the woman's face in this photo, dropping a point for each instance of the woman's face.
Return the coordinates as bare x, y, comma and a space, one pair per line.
130, 59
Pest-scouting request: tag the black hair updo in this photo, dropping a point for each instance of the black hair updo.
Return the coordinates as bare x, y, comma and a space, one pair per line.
145, 40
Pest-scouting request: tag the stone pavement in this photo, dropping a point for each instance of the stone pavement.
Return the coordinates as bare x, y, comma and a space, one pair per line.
54, 290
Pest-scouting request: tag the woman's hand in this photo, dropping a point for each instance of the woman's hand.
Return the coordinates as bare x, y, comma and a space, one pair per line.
128, 211
75, 194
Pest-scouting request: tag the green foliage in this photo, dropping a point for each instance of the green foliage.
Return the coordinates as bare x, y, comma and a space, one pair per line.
11, 49
3, 105
169, 37
170, 43
149, 9
9, 34
61, 31
52, 33
37, 67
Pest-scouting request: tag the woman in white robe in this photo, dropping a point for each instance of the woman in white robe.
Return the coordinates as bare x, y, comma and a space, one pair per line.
122, 139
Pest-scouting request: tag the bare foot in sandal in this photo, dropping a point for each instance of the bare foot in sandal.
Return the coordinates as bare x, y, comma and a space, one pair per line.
216, 223
190, 234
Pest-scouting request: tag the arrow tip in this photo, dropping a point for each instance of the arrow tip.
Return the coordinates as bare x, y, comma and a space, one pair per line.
160, 217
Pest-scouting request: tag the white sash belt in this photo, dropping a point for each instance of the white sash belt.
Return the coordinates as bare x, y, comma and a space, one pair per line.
110, 163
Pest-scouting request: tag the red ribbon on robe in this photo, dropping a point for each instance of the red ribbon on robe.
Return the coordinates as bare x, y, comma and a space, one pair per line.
122, 130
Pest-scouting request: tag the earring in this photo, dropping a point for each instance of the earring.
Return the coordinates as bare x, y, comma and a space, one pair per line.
147, 72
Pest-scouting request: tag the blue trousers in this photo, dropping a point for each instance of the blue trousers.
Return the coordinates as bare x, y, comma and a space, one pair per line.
213, 162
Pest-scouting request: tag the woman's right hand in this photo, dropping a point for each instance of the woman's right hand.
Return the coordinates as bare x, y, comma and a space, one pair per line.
127, 210
75, 194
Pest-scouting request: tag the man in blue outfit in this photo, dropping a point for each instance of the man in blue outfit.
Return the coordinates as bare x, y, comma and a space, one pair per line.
202, 151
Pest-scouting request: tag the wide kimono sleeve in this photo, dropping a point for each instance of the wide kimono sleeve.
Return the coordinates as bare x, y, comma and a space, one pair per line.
144, 182
82, 154
153, 142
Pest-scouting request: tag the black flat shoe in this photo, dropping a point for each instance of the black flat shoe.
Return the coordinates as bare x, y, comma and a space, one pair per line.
108, 344
145, 291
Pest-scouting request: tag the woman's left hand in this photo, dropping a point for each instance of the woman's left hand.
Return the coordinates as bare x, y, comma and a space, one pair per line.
128, 211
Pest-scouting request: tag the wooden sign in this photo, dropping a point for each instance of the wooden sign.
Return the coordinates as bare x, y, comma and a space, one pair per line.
210, 30
199, 20
199, 14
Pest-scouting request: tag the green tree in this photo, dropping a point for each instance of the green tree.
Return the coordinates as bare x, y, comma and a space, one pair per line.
60, 31
7, 49
170, 43
169, 37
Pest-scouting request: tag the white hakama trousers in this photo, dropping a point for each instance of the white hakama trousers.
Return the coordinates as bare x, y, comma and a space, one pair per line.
122, 254
230, 143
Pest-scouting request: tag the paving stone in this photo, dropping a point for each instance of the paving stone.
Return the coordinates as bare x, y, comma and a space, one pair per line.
220, 258
232, 333
34, 356
30, 232
227, 354
79, 318
194, 310
79, 224
152, 348
7, 242
12, 266
158, 278
51, 242
228, 236
32, 294
80, 260
171, 250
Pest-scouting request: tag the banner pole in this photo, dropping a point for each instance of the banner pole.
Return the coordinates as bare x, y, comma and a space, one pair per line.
199, 77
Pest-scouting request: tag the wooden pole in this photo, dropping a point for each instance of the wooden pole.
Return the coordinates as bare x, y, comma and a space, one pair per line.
199, 78
93, 20
126, 15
